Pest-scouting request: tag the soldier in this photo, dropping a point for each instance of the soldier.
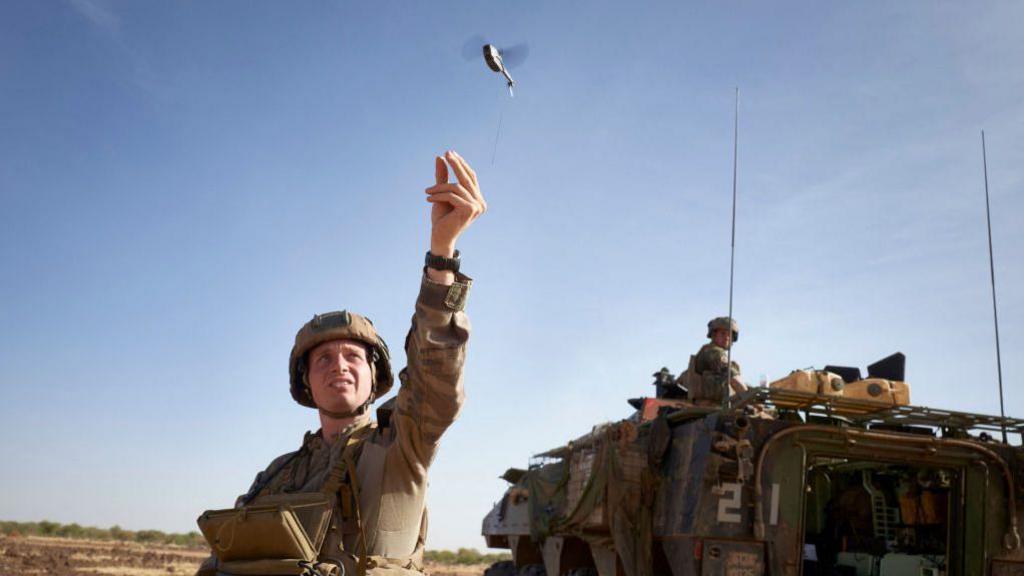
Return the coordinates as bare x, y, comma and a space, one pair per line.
372, 475
709, 372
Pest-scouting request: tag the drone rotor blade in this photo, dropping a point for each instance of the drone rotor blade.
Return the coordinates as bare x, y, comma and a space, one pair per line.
515, 55
472, 49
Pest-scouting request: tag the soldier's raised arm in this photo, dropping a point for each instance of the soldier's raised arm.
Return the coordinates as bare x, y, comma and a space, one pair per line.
431, 393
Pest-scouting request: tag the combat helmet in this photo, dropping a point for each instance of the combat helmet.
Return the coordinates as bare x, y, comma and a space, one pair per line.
340, 325
724, 323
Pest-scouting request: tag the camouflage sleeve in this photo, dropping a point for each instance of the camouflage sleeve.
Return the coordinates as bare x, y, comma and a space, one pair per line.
253, 490
392, 469
431, 393
735, 369
267, 479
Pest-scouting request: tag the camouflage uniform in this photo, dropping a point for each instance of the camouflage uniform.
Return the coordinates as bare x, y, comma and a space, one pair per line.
391, 464
711, 367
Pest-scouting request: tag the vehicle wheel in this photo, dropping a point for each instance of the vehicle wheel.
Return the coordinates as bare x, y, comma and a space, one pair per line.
503, 568
533, 570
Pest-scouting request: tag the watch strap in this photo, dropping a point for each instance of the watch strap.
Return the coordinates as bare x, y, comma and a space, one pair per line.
443, 262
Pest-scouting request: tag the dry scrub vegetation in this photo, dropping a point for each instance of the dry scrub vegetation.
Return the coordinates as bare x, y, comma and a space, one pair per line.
72, 550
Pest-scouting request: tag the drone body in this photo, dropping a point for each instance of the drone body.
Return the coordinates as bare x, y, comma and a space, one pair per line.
493, 58
499, 60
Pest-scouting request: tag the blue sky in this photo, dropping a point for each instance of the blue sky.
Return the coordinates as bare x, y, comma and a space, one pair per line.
184, 184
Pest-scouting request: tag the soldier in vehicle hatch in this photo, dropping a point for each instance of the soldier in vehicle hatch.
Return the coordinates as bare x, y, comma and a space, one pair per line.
351, 499
710, 376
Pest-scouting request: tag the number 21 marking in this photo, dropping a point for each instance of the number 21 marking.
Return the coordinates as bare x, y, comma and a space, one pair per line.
731, 502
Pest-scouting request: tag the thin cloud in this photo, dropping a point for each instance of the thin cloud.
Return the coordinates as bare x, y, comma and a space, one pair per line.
98, 15
105, 21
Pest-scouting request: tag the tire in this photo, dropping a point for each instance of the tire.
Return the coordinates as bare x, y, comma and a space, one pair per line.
533, 570
503, 568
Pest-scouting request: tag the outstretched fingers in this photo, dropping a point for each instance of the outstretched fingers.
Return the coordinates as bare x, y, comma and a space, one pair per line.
440, 170
459, 169
466, 176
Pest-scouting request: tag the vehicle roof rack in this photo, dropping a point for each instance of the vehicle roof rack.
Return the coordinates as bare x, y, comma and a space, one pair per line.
863, 412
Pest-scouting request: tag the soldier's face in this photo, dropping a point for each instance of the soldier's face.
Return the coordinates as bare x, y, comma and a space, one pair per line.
722, 337
339, 375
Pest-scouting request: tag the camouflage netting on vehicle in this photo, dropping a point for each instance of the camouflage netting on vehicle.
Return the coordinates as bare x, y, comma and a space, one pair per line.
547, 497
602, 493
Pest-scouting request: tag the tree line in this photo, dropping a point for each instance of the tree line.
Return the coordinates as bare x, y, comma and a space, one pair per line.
114, 533
463, 556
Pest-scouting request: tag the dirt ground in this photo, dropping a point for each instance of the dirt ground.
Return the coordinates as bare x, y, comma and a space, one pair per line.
61, 557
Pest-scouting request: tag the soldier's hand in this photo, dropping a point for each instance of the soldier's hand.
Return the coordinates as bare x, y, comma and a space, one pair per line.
456, 205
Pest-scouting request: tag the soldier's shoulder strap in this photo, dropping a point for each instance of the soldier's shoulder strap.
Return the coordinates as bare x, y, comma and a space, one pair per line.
343, 482
341, 473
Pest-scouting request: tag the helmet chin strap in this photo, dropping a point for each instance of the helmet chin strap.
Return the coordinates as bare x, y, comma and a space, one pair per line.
357, 412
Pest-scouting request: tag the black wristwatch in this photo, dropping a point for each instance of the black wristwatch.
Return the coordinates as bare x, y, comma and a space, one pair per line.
443, 263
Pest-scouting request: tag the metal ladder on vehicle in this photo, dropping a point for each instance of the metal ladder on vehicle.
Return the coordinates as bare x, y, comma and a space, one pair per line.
884, 518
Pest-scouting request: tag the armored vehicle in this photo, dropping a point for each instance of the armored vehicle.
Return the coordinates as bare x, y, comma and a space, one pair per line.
820, 473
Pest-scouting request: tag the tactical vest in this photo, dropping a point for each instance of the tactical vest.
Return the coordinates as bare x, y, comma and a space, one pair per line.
706, 388
301, 533
702, 388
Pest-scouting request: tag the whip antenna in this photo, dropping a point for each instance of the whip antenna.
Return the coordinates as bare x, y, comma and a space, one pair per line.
732, 249
992, 275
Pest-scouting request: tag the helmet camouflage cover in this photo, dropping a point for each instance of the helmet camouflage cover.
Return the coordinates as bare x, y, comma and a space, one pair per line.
724, 323
341, 325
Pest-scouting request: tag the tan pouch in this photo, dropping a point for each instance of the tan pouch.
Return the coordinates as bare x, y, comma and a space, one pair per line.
817, 382
380, 566
890, 392
287, 527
